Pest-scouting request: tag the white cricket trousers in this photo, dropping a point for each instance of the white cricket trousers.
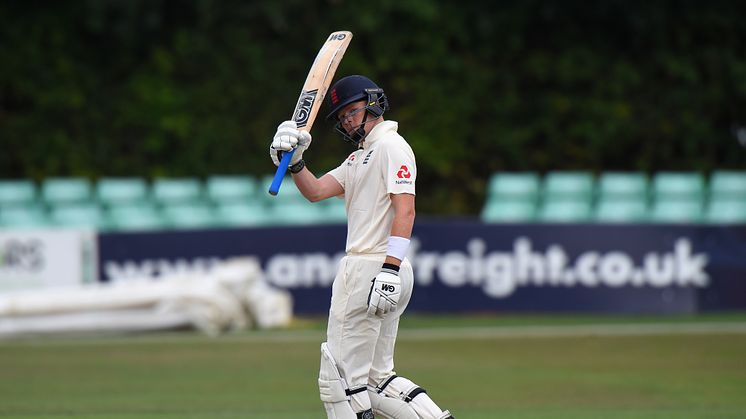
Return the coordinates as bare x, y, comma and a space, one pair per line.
362, 344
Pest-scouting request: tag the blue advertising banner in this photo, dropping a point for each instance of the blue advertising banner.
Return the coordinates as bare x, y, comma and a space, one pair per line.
464, 266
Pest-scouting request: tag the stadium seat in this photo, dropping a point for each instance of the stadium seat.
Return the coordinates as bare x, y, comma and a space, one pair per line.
563, 210
231, 188
289, 193
498, 211
511, 197
676, 210
620, 210
566, 197
234, 214
266, 180
522, 186
726, 211
297, 213
623, 185
168, 191
88, 215
134, 216
115, 191
568, 186
23, 217
188, 215
728, 184
678, 186
56, 191
17, 192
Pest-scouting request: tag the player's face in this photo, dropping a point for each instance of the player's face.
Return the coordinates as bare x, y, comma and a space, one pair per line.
351, 116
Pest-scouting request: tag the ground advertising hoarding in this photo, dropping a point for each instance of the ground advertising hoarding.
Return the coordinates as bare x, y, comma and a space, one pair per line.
34, 259
465, 266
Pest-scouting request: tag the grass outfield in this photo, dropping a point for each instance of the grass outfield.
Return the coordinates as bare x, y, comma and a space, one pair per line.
477, 366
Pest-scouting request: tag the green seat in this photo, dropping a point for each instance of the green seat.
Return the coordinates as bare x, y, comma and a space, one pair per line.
116, 191
676, 210
297, 213
508, 211
87, 215
264, 183
513, 186
575, 186
135, 216
622, 185
726, 211
728, 184
56, 191
685, 186
289, 193
231, 188
619, 210
188, 215
23, 217
234, 214
17, 192
168, 191
563, 210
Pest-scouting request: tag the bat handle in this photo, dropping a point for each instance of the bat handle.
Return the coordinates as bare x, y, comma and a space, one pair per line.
274, 188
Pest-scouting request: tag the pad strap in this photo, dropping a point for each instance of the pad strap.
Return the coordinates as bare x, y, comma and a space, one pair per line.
406, 397
419, 390
350, 392
388, 381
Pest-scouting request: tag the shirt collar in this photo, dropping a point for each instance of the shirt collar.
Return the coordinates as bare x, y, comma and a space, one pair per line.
379, 131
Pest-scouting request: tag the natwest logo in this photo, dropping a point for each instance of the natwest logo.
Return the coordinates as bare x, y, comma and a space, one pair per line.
403, 173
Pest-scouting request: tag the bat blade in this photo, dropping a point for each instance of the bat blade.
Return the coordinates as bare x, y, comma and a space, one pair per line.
314, 90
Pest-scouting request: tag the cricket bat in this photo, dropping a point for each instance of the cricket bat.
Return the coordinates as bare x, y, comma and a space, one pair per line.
313, 92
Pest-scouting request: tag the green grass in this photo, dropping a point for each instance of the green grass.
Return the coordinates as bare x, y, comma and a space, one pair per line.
273, 374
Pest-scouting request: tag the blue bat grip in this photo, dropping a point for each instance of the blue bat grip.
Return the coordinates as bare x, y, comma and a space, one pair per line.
280, 174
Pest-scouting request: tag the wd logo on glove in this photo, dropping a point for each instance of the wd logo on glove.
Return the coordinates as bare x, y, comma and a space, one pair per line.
388, 288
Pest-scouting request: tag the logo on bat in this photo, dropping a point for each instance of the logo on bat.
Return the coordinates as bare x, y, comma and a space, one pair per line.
337, 36
303, 109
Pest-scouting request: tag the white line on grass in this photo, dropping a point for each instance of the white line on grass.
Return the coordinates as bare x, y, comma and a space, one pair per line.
557, 331
420, 334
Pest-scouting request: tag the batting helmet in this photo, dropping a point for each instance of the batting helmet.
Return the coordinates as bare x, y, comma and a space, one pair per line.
352, 89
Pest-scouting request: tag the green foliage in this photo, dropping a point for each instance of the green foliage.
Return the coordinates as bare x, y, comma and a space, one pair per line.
103, 87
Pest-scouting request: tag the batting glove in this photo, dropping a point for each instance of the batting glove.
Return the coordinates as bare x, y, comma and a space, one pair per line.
286, 138
385, 291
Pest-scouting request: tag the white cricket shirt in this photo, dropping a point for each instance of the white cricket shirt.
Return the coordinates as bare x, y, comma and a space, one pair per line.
385, 165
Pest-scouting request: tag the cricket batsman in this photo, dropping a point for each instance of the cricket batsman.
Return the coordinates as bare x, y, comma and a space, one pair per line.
374, 281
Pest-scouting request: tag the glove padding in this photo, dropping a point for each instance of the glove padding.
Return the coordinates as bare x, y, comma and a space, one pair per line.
384, 292
289, 137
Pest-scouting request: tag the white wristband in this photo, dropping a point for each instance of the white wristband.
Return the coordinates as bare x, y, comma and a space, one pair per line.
398, 247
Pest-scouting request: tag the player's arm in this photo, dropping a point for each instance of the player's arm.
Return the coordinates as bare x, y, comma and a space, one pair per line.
316, 189
401, 227
385, 289
287, 138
